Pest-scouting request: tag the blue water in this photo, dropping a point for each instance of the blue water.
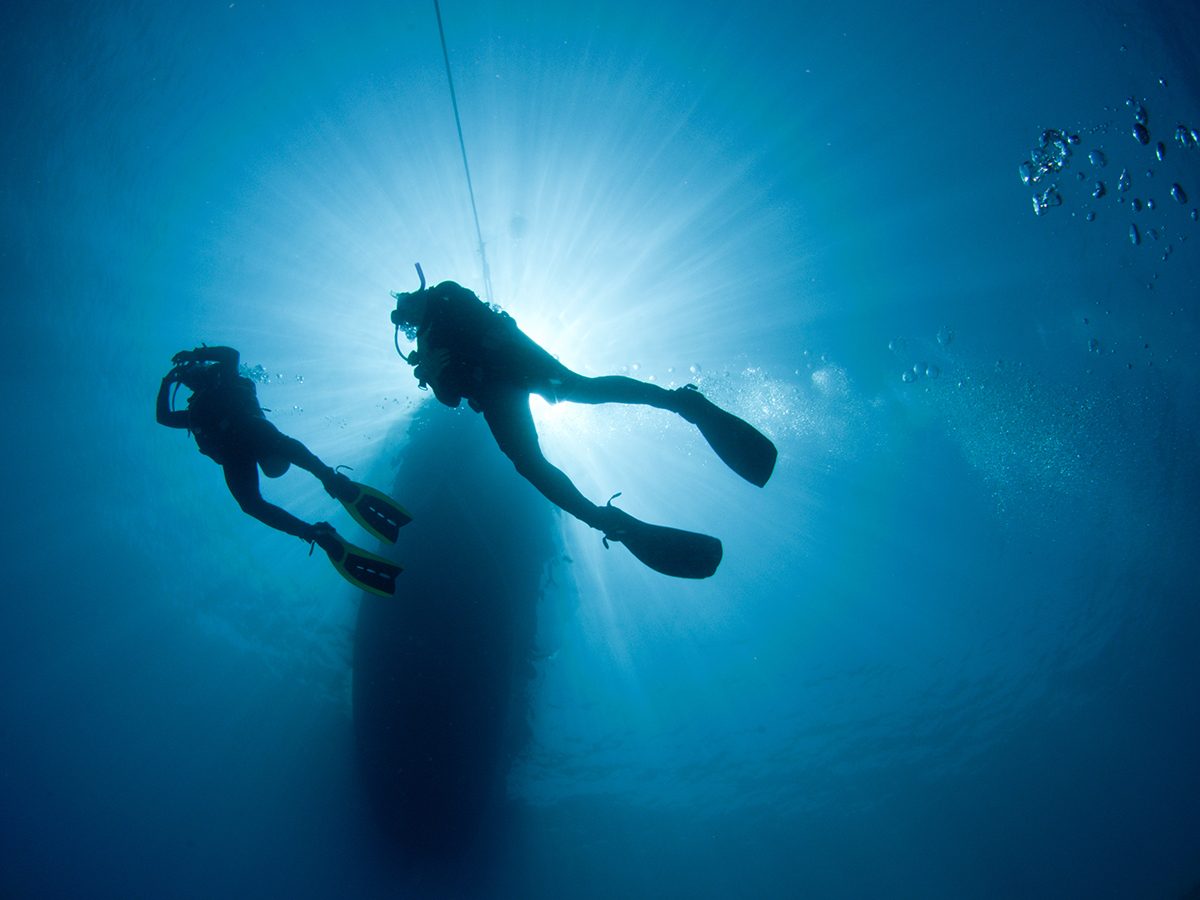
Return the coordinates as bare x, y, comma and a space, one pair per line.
951, 650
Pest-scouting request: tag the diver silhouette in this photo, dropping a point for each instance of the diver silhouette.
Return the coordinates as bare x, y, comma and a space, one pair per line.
467, 349
230, 427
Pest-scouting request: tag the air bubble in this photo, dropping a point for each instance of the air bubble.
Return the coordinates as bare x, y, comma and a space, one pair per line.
1093, 346
1179, 194
1160, 151
1098, 190
908, 377
1135, 236
945, 335
1047, 199
1124, 182
1090, 217
1052, 154
1136, 204
1140, 134
1097, 158
932, 371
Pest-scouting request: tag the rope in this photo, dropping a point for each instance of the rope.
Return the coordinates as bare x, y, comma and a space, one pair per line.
487, 277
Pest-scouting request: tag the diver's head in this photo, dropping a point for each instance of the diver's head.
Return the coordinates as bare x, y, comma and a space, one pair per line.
409, 312
196, 376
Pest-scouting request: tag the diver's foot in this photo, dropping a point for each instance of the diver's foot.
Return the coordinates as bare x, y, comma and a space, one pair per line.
615, 524
671, 551
326, 537
340, 487
690, 403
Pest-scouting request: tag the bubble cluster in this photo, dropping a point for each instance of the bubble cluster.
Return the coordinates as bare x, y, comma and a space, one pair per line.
1050, 156
1140, 116
922, 368
254, 373
1148, 218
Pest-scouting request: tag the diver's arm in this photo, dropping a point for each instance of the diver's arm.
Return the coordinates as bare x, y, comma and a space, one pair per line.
431, 371
163, 412
449, 398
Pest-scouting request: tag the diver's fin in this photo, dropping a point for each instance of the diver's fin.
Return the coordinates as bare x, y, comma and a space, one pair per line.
373, 510
740, 445
362, 569
672, 551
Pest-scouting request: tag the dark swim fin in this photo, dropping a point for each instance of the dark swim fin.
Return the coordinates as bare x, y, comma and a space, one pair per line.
362, 569
672, 551
740, 445
373, 510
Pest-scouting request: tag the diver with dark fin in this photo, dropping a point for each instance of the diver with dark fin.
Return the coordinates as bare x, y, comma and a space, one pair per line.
229, 426
467, 349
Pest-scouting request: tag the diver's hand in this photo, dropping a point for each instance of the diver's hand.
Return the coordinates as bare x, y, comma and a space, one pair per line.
183, 357
174, 375
431, 365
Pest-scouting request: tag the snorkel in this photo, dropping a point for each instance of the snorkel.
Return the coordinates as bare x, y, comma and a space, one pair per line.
398, 318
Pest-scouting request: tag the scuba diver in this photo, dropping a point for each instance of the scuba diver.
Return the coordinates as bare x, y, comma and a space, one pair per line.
229, 426
468, 349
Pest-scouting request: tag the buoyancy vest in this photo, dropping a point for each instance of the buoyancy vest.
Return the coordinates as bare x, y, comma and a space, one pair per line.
217, 414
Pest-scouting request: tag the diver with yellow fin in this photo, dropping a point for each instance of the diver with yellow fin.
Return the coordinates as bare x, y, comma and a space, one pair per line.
468, 349
229, 426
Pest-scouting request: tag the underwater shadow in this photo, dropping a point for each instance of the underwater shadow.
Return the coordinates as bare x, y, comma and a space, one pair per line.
442, 670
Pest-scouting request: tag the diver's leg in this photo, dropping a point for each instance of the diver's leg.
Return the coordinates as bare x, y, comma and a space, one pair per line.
671, 551
270, 441
267, 440
578, 388
740, 445
241, 474
508, 416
